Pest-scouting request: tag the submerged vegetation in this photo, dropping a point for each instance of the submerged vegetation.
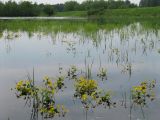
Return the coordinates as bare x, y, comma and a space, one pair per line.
13, 27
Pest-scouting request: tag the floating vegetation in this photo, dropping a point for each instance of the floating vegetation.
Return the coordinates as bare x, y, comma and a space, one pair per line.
72, 72
106, 100
144, 92
127, 69
59, 84
24, 89
102, 74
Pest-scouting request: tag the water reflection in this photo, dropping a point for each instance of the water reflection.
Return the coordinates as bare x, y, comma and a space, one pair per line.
117, 58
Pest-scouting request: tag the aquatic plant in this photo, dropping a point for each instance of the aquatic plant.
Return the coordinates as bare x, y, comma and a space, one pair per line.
90, 95
24, 88
106, 100
86, 91
127, 69
43, 97
102, 74
143, 92
48, 107
72, 72
59, 84
88, 68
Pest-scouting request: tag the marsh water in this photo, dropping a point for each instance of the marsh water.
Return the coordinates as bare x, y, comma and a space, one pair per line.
46, 45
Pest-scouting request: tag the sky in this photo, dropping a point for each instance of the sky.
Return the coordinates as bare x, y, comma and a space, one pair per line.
58, 1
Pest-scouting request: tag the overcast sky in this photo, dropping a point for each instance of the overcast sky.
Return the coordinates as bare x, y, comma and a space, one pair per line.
58, 1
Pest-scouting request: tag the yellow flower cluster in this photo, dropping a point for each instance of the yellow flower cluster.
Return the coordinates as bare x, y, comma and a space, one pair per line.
86, 89
89, 94
24, 87
141, 89
53, 110
44, 95
142, 92
48, 82
57, 85
86, 85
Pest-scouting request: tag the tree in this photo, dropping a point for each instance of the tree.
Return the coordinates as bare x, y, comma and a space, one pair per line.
27, 9
49, 10
71, 6
59, 7
10, 9
1, 9
149, 3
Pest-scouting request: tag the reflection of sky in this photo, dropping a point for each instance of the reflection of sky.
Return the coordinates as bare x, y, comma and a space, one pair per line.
71, 48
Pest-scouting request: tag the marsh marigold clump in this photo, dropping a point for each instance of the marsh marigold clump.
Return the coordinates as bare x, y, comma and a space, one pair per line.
143, 92
24, 88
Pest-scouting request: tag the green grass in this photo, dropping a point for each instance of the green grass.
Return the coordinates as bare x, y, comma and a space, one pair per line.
88, 26
48, 26
149, 12
134, 12
72, 14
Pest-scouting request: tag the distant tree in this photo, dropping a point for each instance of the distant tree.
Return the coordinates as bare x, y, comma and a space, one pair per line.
59, 7
1, 8
149, 3
27, 9
71, 6
10, 9
86, 5
49, 10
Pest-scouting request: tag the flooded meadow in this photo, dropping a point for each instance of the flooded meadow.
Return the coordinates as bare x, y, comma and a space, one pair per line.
79, 70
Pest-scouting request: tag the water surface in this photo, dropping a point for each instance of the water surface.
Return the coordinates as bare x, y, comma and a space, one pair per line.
46, 45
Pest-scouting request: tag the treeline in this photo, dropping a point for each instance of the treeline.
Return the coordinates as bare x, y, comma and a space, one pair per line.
25, 8
149, 3
93, 4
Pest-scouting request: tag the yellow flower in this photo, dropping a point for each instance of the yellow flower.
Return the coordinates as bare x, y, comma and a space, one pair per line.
19, 85
49, 82
93, 95
84, 97
46, 78
137, 88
